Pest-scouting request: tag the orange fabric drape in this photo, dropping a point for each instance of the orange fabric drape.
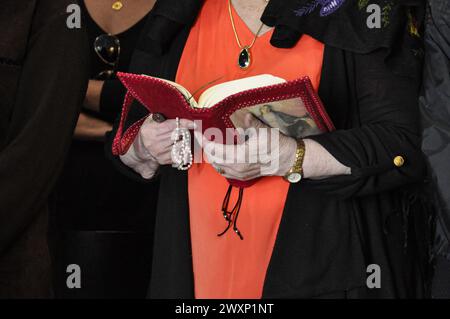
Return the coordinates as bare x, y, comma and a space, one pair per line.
227, 267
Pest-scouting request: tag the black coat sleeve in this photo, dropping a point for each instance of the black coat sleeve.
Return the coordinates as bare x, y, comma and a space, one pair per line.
50, 91
384, 126
111, 99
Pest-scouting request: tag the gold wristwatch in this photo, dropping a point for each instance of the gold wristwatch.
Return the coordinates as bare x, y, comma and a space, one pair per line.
295, 174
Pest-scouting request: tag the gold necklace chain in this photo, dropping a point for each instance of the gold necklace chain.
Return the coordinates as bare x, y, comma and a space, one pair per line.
235, 32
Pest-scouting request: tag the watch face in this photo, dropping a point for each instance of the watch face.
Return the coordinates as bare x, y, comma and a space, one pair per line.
294, 177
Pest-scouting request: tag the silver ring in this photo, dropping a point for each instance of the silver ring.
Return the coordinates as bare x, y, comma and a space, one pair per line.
219, 170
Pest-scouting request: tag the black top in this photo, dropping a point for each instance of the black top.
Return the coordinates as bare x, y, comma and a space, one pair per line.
331, 229
91, 195
113, 91
128, 39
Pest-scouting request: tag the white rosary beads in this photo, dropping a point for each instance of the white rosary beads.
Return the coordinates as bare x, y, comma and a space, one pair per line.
181, 148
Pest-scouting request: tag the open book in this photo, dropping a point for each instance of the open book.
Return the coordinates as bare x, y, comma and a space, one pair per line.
292, 106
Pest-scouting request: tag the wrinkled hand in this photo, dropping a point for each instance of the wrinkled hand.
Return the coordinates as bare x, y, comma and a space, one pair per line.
155, 139
263, 152
153, 145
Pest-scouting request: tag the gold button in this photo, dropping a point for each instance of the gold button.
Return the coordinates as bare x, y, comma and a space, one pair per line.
399, 161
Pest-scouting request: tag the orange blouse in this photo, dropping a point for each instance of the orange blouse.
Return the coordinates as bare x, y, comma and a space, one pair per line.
227, 267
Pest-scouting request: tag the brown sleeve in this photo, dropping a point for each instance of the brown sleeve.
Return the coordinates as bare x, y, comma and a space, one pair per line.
50, 91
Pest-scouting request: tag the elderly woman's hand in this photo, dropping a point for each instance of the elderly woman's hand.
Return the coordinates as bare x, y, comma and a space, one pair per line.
153, 145
264, 152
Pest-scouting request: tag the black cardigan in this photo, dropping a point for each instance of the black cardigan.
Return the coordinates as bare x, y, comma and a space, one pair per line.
332, 229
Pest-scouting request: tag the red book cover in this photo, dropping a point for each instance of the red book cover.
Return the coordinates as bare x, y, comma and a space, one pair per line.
292, 106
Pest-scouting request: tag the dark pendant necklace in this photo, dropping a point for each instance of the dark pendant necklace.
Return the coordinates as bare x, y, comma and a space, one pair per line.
245, 56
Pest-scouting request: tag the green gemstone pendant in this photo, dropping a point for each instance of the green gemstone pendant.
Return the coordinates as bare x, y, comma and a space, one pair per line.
244, 58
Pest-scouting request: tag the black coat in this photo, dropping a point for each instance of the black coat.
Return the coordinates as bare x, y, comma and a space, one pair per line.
435, 115
332, 229
43, 77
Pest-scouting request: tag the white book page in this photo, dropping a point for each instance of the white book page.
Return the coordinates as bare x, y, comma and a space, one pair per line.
219, 92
